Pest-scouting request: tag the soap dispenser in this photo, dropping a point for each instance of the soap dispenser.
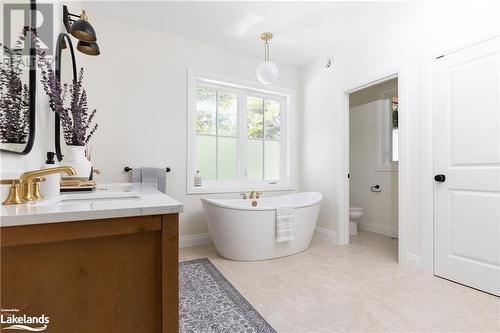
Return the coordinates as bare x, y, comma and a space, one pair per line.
52, 185
197, 179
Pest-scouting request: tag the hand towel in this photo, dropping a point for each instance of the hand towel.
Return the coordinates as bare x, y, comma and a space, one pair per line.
136, 175
284, 224
155, 177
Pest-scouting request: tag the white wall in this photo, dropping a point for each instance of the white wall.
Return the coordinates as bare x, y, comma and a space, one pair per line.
381, 208
429, 29
139, 86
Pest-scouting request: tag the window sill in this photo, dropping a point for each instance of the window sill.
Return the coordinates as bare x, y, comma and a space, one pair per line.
217, 187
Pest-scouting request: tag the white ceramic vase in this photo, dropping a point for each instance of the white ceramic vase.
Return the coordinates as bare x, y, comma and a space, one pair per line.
75, 157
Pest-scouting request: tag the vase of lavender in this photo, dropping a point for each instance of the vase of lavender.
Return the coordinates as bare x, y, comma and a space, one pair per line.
76, 120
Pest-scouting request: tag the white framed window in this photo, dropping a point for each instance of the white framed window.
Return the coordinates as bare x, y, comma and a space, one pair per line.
387, 137
239, 135
395, 129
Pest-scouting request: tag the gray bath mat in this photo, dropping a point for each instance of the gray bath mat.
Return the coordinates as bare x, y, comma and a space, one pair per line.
209, 303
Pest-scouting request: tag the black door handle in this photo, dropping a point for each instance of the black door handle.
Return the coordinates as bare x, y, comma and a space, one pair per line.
440, 178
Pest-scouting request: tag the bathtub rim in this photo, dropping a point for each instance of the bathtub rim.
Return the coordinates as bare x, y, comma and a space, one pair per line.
220, 202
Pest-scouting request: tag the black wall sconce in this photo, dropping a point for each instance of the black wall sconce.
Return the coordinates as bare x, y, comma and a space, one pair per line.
82, 30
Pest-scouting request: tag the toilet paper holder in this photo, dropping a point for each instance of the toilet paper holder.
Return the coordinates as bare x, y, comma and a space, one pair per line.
375, 188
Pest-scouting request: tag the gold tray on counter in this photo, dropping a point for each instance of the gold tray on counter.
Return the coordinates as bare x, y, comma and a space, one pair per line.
68, 185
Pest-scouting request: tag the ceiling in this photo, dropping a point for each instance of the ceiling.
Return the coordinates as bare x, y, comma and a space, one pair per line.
302, 30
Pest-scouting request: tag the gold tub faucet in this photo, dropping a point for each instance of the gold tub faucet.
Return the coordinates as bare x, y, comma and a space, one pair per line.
254, 195
27, 187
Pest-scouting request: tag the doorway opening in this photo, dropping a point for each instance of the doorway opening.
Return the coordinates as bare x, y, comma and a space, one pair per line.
373, 163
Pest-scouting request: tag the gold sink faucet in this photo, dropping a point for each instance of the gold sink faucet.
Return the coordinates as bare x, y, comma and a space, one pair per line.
27, 187
13, 198
37, 194
27, 179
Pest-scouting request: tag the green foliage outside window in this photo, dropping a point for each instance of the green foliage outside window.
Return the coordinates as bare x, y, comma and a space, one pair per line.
217, 135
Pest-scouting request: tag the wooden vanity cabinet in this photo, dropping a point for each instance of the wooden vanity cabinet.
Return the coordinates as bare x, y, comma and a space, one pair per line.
107, 275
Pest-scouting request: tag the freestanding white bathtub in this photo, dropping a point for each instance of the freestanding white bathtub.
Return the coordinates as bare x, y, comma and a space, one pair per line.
242, 232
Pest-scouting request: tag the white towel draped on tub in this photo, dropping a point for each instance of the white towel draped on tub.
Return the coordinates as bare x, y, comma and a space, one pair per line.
284, 224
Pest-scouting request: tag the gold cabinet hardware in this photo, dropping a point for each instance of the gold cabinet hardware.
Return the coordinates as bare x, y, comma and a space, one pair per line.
14, 197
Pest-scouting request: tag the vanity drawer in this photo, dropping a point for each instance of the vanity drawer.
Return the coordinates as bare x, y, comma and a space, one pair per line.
62, 231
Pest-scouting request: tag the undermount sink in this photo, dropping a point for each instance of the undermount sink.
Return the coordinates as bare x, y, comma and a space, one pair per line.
111, 193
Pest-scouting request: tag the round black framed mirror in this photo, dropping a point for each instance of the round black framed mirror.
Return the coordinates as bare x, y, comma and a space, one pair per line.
18, 87
66, 73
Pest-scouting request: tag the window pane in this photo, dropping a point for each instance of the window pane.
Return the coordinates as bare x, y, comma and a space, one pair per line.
227, 114
395, 107
395, 144
205, 156
254, 160
272, 160
255, 117
205, 110
226, 159
272, 120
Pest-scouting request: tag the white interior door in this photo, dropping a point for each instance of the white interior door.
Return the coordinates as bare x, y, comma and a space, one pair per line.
467, 166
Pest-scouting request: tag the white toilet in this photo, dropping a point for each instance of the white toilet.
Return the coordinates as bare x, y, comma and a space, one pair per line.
355, 214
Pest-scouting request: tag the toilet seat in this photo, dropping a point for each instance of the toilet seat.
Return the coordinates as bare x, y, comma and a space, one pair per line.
355, 209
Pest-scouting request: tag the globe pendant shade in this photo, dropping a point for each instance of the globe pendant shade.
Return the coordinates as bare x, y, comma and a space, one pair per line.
267, 72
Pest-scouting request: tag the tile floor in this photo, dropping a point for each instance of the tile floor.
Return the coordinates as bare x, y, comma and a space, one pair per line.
355, 288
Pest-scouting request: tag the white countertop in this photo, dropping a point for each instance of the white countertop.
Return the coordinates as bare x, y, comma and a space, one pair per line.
108, 201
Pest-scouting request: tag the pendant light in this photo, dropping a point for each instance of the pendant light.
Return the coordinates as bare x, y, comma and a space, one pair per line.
267, 72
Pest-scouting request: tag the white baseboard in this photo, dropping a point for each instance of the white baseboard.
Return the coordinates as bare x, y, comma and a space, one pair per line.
411, 260
376, 228
194, 240
325, 234
414, 258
